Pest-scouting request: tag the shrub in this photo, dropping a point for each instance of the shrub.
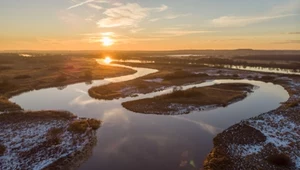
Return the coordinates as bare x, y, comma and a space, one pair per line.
78, 126
2, 149
279, 160
94, 124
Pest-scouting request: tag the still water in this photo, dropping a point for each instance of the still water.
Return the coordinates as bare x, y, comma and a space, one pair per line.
136, 141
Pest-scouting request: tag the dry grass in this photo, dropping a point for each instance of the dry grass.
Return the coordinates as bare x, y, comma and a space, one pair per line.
220, 95
82, 125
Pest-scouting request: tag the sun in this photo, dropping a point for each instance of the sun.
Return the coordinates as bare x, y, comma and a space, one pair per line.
107, 41
107, 60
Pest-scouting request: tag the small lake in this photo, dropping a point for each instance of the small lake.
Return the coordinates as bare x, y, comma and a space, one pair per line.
136, 141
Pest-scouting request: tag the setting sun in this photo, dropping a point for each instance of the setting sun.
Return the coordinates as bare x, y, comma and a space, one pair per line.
107, 60
107, 41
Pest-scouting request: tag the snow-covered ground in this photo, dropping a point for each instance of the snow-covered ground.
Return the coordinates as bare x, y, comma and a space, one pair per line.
27, 148
281, 128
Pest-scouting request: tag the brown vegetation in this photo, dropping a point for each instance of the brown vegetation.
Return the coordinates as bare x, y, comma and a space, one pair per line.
220, 95
82, 125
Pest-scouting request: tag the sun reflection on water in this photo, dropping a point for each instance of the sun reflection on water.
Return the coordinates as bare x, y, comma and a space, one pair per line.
107, 60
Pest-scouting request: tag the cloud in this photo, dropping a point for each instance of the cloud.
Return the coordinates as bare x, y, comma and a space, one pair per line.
95, 6
173, 32
236, 21
89, 3
80, 4
171, 16
129, 15
176, 16
280, 11
292, 5
163, 8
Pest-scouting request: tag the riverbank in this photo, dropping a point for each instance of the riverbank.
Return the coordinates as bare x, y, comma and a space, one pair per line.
37, 140
43, 139
184, 101
268, 141
19, 74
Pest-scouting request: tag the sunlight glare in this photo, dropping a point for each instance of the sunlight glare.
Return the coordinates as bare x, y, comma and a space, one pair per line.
107, 41
107, 60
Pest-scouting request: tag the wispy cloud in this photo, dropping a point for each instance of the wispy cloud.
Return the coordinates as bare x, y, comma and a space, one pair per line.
89, 3
128, 15
173, 32
80, 4
237, 21
162, 8
170, 16
280, 11
94, 6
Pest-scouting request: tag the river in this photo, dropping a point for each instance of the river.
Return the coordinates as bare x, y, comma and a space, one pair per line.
136, 141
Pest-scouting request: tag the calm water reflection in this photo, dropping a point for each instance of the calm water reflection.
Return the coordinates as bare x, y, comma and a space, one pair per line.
135, 141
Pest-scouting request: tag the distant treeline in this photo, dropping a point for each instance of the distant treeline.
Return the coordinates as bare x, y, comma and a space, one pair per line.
270, 57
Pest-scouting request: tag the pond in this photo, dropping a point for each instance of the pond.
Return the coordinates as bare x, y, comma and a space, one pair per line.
136, 141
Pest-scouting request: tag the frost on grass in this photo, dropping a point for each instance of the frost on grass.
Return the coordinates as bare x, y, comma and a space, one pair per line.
280, 148
35, 142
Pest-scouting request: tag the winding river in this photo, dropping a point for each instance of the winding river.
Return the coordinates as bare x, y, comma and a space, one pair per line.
135, 141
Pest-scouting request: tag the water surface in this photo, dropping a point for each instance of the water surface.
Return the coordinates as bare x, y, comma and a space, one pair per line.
136, 141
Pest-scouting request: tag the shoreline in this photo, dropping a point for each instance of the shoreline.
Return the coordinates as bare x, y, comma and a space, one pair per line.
274, 134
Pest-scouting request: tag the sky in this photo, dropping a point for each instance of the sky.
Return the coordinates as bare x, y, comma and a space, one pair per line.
149, 24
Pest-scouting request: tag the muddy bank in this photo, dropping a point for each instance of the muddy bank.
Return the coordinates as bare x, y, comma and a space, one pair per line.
45, 139
184, 101
268, 141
